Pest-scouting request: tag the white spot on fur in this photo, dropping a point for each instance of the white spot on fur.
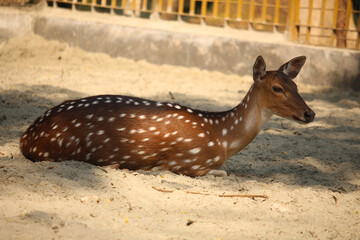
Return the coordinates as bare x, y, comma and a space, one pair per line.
176, 168
195, 167
172, 163
195, 150
60, 141
235, 144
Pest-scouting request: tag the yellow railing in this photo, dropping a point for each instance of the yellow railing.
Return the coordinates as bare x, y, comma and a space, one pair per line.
327, 23
317, 22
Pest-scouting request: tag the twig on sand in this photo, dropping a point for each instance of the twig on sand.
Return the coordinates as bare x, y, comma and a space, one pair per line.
162, 190
220, 195
102, 169
198, 193
171, 96
105, 168
244, 195
335, 199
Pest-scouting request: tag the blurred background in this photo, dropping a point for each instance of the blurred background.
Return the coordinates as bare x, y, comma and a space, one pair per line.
332, 23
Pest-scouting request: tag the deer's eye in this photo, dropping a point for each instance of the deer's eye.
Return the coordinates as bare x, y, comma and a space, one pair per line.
277, 89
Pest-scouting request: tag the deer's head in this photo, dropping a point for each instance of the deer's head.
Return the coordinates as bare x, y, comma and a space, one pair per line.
278, 92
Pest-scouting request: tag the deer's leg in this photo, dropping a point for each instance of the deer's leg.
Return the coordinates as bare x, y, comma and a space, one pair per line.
157, 168
217, 173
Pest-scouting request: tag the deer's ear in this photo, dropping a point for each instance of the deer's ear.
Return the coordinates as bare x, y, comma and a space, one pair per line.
259, 69
293, 67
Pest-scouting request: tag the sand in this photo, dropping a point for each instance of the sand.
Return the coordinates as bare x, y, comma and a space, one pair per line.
310, 173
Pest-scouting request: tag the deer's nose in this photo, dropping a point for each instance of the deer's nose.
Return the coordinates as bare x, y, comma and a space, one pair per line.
309, 116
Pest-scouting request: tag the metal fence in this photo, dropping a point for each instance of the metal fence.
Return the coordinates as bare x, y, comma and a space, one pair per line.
318, 22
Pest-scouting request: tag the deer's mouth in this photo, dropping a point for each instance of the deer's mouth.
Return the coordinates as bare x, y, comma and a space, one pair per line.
307, 117
299, 120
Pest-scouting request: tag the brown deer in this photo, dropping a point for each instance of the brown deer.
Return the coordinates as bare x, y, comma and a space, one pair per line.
135, 133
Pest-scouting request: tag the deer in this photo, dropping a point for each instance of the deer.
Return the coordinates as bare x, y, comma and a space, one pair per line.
140, 134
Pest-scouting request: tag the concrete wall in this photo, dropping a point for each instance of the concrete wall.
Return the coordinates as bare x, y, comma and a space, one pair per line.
325, 66
12, 25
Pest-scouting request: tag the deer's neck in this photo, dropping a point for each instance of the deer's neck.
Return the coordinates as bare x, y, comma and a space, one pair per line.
243, 123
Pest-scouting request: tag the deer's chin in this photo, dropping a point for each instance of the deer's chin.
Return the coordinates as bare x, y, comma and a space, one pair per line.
293, 118
299, 120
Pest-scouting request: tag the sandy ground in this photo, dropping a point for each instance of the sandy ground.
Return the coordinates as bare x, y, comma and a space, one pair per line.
311, 173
